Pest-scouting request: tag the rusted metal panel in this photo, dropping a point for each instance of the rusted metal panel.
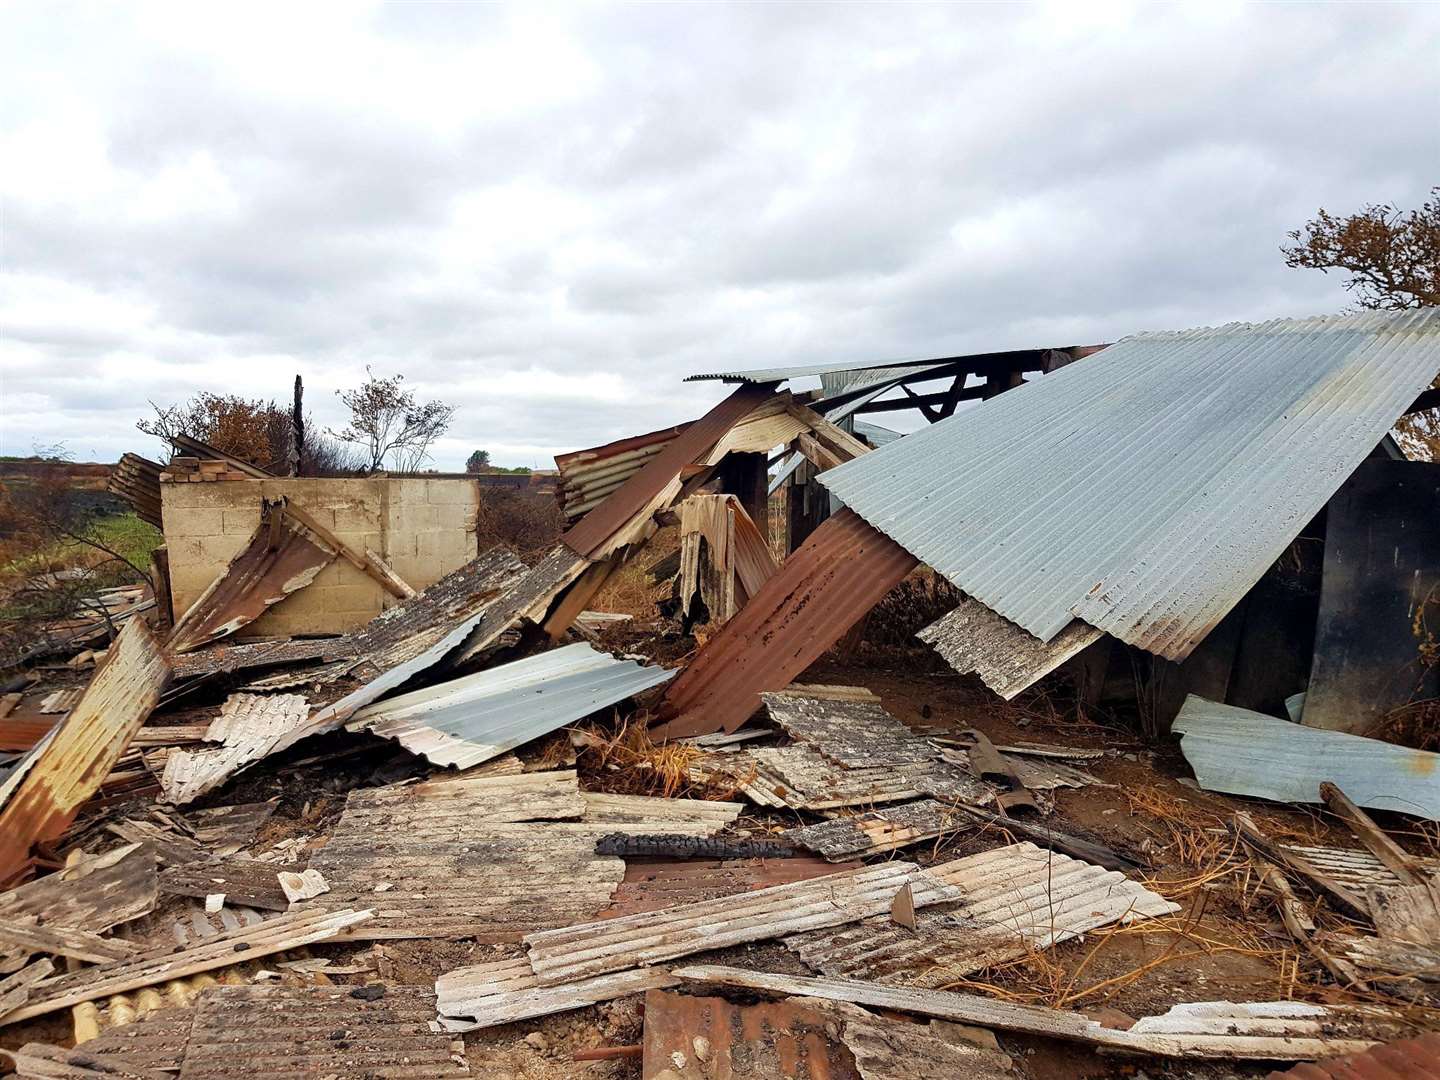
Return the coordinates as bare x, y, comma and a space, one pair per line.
249, 726
588, 476
972, 639
593, 534
156, 1040
94, 893
278, 560
1405, 1059
192, 447
835, 577
290, 1033
137, 480
652, 884
696, 1038
275, 935
73, 761
222, 659
243, 882
611, 945
1146, 490
503, 991
1011, 901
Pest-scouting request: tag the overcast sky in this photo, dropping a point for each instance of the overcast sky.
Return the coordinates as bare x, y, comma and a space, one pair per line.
549, 215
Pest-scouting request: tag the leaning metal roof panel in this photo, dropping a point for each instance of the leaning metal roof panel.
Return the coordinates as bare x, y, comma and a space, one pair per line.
1147, 489
800, 371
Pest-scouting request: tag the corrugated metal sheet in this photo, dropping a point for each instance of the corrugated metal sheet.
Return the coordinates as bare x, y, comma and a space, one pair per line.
220, 659
1354, 868
95, 893
69, 766
136, 479
800, 371
876, 831
1147, 489
821, 590
1266, 1030
1247, 753
275, 935
256, 579
647, 813
595, 534
892, 1048
307, 1033
612, 945
972, 639
1013, 900
876, 435
40, 1061
1407, 1059
653, 884
502, 991
472, 719
848, 725
249, 726
695, 1038
243, 882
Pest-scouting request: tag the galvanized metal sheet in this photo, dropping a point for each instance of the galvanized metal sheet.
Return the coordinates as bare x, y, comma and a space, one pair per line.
1247, 753
801, 371
821, 590
1147, 489
1012, 900
69, 766
472, 719
307, 1033
502, 991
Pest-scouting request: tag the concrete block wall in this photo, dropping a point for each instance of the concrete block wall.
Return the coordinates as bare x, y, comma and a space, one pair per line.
423, 528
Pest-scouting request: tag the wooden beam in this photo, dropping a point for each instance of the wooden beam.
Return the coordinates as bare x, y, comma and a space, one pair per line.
1244, 827
969, 393
833, 437
1407, 868
353, 557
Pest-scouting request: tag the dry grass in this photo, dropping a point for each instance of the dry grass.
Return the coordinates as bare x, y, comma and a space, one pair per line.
629, 590
627, 761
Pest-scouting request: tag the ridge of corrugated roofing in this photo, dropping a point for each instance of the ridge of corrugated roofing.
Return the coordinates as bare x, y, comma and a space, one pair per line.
1147, 489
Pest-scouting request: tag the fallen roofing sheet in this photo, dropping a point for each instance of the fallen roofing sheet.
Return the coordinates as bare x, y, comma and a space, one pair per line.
472, 719
610, 524
41, 1061
243, 882
249, 726
1275, 1030
467, 858
275, 935
1012, 901
290, 1033
502, 991
281, 558
1247, 753
848, 725
972, 639
136, 479
224, 830
69, 766
739, 559
802, 778
695, 1038
1353, 868
1416, 1059
651, 884
1146, 490
93, 893
611, 945
219, 659
841, 571
155, 1039
878, 831
858, 371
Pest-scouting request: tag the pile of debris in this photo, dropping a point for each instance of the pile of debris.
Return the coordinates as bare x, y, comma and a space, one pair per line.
489, 831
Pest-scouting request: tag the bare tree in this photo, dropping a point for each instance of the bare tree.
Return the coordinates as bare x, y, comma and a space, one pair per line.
387, 422
1392, 258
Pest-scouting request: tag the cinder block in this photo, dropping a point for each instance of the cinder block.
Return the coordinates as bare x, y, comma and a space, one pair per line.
230, 495
357, 597
447, 547
220, 549
198, 521
350, 518
451, 492
242, 522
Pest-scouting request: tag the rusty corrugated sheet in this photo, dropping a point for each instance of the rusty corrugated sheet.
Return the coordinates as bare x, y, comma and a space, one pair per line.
94, 893
588, 476
1407, 1059
821, 590
259, 577
290, 1033
651, 884
191, 447
226, 658
695, 1038
73, 761
41, 1061
590, 536
137, 480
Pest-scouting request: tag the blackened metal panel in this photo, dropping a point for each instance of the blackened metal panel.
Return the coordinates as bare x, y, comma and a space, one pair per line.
1380, 597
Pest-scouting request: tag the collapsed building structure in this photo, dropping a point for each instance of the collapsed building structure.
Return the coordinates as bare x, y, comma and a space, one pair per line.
1218, 516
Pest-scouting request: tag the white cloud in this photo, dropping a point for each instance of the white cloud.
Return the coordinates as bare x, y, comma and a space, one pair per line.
548, 215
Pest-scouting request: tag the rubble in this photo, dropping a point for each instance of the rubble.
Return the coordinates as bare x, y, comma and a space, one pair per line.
513, 802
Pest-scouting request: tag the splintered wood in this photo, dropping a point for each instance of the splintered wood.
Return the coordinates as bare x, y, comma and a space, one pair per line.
306, 1033
249, 726
491, 858
1009, 901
